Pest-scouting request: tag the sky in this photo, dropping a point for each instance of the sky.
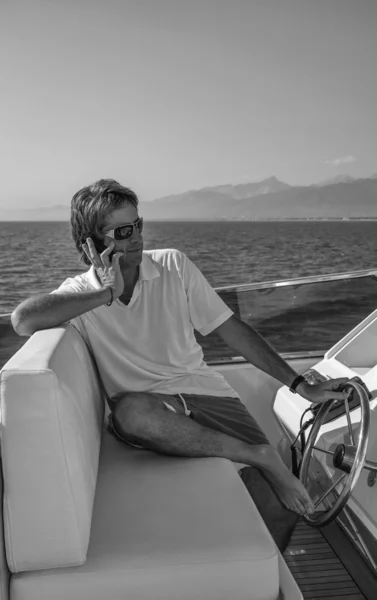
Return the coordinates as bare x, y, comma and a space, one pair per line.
171, 95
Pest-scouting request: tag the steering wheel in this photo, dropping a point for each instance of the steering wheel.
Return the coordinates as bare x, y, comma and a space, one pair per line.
347, 458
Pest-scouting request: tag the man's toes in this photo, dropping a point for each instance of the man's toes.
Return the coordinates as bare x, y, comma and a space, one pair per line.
300, 508
295, 506
309, 506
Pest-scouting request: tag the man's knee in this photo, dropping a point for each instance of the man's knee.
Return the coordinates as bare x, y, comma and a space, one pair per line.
131, 410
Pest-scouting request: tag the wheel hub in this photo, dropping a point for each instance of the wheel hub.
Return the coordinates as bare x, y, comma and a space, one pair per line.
344, 457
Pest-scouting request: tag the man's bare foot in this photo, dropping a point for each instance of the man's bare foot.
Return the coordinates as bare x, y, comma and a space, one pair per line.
293, 494
289, 489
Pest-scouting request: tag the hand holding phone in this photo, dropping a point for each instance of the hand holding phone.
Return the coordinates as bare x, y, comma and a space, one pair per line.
106, 264
100, 246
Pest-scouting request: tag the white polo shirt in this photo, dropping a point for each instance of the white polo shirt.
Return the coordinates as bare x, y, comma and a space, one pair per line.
149, 345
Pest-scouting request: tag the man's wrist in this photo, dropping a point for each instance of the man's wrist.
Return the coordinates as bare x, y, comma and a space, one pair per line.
297, 383
111, 297
107, 294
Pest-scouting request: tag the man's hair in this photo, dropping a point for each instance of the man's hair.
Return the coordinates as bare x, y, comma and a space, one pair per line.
91, 205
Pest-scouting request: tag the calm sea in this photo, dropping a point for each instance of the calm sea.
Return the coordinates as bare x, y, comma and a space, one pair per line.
37, 257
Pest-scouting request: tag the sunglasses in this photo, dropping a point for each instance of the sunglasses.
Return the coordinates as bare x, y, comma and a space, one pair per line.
124, 232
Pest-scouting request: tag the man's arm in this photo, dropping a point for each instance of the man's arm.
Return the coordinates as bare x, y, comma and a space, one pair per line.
252, 346
51, 310
45, 311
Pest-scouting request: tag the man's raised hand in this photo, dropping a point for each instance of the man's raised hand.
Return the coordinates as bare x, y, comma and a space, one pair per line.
108, 272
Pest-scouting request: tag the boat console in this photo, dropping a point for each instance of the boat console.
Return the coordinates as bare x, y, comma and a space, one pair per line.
354, 357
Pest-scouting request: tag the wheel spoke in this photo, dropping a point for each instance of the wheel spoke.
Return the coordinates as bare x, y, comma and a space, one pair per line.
334, 485
323, 450
349, 422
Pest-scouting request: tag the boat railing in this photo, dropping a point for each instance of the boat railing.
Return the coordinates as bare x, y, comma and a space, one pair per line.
246, 287
300, 317
298, 281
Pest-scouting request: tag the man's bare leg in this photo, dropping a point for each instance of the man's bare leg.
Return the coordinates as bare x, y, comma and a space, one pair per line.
143, 420
279, 520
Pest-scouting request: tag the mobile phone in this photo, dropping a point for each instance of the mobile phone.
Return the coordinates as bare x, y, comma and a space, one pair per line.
100, 247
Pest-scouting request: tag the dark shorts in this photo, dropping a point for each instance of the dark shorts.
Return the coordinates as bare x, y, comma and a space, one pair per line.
225, 414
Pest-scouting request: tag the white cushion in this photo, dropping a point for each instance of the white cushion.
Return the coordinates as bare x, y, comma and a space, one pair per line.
165, 528
4, 571
52, 415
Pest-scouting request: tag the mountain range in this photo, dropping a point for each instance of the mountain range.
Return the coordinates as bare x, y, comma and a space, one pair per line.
342, 197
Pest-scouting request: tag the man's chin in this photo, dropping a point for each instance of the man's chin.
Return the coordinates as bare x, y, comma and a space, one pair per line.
132, 256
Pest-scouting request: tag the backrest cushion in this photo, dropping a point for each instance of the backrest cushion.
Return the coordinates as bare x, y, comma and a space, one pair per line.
4, 570
51, 423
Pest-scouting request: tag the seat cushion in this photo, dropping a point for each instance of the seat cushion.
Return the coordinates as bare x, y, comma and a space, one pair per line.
52, 415
165, 528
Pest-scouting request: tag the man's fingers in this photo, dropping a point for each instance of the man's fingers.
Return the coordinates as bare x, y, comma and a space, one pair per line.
116, 258
86, 250
93, 254
337, 395
105, 255
339, 388
340, 381
108, 249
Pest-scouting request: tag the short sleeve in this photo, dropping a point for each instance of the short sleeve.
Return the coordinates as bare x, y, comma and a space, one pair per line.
73, 285
207, 310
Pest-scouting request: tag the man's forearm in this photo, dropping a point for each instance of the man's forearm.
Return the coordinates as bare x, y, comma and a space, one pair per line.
252, 346
51, 310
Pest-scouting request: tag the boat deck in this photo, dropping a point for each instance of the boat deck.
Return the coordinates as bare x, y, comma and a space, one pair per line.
317, 569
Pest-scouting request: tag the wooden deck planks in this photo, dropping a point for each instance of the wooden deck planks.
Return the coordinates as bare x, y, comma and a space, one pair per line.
318, 571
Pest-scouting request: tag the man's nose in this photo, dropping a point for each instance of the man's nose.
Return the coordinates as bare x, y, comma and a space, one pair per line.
136, 235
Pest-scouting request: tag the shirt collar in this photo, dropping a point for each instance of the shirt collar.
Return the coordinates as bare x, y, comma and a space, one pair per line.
148, 270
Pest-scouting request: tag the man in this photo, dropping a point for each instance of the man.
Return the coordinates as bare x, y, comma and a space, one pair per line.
137, 312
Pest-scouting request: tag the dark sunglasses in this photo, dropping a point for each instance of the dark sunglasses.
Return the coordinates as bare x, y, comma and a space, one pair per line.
124, 232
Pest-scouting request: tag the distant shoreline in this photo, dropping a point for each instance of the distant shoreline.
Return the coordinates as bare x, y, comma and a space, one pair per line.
303, 220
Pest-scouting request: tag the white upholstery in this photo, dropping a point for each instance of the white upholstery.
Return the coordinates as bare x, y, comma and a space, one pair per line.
50, 444
4, 571
165, 528
161, 527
